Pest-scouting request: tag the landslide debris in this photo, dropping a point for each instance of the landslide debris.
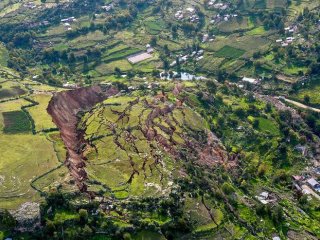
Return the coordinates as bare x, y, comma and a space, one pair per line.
64, 108
147, 138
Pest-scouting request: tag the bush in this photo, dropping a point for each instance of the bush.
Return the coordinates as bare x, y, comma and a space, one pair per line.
227, 188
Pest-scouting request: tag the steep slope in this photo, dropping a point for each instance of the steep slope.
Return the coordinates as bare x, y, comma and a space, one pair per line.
63, 108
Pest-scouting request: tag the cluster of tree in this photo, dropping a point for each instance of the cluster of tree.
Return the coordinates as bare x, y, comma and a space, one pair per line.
272, 20
274, 213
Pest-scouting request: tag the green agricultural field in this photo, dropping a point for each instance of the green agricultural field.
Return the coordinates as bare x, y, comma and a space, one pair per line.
24, 157
108, 68
276, 3
257, 31
235, 25
16, 122
268, 125
13, 105
39, 112
312, 92
229, 52
154, 26
11, 90
294, 70
250, 44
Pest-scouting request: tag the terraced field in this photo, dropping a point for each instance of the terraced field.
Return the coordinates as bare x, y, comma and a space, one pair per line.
138, 141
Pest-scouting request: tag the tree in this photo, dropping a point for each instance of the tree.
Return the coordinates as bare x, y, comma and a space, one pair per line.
227, 188
255, 123
7, 219
211, 86
306, 99
277, 215
153, 41
83, 214
268, 108
86, 231
117, 71
126, 236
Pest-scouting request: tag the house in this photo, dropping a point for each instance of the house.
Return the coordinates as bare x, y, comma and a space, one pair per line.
250, 80
107, 8
263, 197
69, 19
190, 10
70, 85
179, 15
199, 58
297, 178
313, 183
302, 149
205, 38
150, 50
30, 5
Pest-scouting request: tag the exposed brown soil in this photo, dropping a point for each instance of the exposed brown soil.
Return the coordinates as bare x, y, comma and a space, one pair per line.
64, 108
13, 92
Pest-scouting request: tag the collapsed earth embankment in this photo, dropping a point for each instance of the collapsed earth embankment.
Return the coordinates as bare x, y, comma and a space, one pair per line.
64, 108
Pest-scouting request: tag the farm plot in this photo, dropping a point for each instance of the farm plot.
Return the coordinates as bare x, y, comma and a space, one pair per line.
39, 112
129, 135
139, 57
108, 68
276, 4
154, 26
16, 122
23, 158
229, 52
10, 90
236, 24
312, 92
246, 43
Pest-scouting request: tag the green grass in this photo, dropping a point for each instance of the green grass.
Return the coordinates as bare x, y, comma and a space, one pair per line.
312, 92
148, 235
16, 122
154, 26
294, 70
62, 216
108, 68
268, 125
39, 112
257, 31
229, 52
236, 24
23, 158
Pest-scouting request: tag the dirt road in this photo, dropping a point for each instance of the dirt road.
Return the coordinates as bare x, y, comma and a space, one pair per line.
298, 104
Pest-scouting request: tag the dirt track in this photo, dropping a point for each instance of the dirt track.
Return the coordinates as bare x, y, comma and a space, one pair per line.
64, 108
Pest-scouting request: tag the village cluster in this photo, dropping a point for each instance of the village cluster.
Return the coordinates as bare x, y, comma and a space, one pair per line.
288, 40
197, 55
67, 22
189, 13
